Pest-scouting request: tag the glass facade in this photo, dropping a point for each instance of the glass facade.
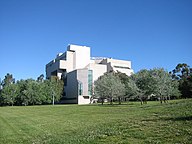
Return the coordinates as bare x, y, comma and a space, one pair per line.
90, 82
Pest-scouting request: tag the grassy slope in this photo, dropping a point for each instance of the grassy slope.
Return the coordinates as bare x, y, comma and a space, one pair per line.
132, 123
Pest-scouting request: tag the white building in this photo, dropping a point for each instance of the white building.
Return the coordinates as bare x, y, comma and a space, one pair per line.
80, 71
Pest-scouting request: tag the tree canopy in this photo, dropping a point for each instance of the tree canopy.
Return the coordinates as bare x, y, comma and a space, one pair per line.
109, 86
143, 85
30, 92
146, 84
183, 74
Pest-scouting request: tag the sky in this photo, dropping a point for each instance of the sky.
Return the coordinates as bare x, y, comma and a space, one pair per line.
149, 33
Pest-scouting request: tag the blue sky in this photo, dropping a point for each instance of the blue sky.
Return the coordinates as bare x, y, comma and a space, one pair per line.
150, 33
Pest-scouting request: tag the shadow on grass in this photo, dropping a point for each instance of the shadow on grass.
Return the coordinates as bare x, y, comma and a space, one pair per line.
112, 105
184, 118
107, 104
116, 104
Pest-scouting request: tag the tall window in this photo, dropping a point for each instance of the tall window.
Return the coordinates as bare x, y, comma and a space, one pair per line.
80, 88
90, 82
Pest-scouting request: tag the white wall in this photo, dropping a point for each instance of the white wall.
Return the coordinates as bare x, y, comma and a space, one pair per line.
68, 64
98, 70
82, 100
81, 56
82, 76
118, 65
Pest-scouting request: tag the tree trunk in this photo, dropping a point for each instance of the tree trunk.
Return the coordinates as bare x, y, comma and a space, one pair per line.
161, 100
111, 101
102, 101
165, 99
141, 102
119, 100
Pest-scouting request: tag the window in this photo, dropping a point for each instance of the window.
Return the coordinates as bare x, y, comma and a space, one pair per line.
54, 73
65, 81
122, 67
90, 82
80, 88
86, 97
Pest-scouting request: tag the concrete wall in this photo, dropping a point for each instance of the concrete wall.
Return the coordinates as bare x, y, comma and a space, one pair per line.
79, 75
83, 100
71, 89
98, 70
67, 64
82, 76
81, 56
51, 67
76, 57
76, 62
118, 65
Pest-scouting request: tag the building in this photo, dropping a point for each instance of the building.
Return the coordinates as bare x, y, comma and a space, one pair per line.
79, 71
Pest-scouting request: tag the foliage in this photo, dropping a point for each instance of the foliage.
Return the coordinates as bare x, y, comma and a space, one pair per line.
145, 85
131, 89
183, 74
57, 87
30, 92
165, 86
40, 78
131, 123
145, 81
8, 80
181, 71
109, 86
9, 94
155, 83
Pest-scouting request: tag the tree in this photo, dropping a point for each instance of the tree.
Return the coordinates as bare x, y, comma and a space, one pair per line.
181, 71
46, 92
8, 90
183, 74
32, 92
155, 82
57, 87
165, 86
131, 89
9, 94
173, 90
145, 83
1, 98
40, 78
8, 80
39, 92
24, 92
109, 86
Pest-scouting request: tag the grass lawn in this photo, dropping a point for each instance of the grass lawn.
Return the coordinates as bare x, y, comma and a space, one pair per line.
128, 123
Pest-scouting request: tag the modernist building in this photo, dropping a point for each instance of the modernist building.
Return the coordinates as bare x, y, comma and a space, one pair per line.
79, 72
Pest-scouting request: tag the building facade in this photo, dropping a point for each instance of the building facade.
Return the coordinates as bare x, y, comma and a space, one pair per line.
79, 71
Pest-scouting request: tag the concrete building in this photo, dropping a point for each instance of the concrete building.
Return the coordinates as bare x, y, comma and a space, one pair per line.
80, 71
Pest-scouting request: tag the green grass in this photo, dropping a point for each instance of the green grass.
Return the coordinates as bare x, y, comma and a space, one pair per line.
130, 123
